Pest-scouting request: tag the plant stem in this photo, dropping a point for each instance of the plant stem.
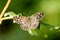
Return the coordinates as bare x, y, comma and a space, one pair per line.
3, 11
5, 18
5, 8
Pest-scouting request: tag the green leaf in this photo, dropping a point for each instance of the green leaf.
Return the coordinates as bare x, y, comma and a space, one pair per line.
11, 14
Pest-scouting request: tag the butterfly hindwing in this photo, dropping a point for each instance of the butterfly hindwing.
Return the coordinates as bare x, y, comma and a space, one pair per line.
34, 22
35, 18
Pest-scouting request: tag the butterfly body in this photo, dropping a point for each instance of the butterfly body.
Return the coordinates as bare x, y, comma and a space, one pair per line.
31, 22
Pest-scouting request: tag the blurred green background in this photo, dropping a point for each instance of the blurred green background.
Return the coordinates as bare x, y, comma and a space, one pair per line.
49, 25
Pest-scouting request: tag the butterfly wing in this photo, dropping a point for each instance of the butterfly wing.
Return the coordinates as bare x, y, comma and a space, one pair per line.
23, 21
31, 22
35, 18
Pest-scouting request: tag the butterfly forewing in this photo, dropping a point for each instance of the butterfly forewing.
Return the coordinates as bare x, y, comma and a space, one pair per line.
23, 21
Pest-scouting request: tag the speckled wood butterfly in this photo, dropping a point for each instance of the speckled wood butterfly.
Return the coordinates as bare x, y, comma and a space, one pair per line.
31, 22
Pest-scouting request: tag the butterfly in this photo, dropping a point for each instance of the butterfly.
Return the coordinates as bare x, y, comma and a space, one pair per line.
29, 23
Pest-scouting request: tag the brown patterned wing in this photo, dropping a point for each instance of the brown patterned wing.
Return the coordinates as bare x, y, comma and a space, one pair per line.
28, 23
35, 18
23, 21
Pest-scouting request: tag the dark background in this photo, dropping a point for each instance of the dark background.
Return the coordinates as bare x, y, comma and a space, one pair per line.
51, 9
